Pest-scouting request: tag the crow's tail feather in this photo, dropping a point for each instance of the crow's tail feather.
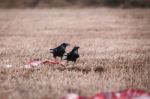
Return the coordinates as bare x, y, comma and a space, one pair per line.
51, 50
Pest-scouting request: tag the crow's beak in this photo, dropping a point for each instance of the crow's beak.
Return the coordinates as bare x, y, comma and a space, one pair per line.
68, 44
77, 47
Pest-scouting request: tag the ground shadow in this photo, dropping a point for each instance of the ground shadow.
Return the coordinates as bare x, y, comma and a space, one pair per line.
79, 69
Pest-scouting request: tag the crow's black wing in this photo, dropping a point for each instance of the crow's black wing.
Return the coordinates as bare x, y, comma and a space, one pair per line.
54, 50
75, 55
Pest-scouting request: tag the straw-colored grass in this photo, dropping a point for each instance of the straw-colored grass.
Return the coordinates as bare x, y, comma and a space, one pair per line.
114, 51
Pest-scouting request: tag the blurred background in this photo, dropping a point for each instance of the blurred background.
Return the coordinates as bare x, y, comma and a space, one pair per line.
73, 3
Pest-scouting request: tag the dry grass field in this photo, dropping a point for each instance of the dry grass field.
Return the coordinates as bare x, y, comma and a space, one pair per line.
114, 51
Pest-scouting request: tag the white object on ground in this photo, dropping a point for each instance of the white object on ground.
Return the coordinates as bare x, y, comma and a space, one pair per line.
8, 66
27, 66
72, 96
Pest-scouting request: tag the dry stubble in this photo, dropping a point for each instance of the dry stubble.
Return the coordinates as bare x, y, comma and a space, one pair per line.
115, 51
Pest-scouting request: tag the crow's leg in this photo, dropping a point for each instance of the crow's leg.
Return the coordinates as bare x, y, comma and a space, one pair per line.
67, 63
61, 57
55, 58
74, 61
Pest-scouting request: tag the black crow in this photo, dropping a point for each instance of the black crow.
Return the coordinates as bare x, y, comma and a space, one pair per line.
73, 55
59, 51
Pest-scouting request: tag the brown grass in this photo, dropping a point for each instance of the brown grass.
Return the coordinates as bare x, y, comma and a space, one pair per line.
115, 51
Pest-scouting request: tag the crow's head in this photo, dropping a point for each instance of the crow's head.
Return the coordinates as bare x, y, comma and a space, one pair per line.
64, 44
76, 47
